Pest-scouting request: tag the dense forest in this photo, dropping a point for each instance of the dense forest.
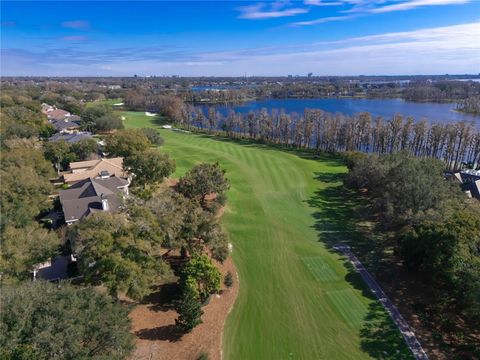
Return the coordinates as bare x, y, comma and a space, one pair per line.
426, 235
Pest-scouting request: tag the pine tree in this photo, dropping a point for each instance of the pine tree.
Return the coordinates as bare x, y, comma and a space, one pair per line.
189, 308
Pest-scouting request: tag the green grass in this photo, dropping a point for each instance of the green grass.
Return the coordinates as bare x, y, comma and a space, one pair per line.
104, 102
297, 299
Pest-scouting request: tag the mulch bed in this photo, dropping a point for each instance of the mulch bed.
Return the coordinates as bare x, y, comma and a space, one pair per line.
153, 323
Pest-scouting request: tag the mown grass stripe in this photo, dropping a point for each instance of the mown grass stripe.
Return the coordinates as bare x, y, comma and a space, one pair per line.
320, 270
351, 309
281, 311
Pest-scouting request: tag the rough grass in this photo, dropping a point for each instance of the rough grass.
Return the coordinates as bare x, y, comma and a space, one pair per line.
297, 300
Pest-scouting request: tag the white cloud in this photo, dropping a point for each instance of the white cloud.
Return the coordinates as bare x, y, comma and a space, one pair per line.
322, 20
323, 3
452, 49
364, 7
448, 49
272, 10
412, 4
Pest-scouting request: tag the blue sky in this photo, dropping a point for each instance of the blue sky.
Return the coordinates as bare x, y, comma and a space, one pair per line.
231, 38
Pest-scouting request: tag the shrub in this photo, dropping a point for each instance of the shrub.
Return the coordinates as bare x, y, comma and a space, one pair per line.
228, 281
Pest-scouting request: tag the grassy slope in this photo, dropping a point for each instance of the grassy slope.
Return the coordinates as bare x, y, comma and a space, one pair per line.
297, 300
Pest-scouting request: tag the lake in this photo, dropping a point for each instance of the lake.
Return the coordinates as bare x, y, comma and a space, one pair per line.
377, 107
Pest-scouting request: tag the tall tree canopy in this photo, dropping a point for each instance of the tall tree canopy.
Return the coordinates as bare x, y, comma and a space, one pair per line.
126, 142
180, 223
153, 136
24, 194
448, 254
58, 152
44, 321
189, 308
202, 180
24, 247
404, 189
117, 252
202, 273
149, 167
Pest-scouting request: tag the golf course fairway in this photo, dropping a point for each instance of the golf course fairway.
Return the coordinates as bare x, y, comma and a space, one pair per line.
297, 299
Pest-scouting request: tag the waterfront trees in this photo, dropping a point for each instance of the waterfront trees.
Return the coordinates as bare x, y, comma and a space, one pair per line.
317, 130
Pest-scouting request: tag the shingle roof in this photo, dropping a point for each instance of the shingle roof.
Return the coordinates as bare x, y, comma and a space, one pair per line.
60, 125
75, 118
71, 138
85, 197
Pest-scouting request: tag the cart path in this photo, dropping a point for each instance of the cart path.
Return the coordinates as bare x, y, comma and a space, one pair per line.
405, 330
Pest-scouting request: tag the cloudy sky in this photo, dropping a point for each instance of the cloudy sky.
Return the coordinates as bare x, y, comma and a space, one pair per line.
222, 38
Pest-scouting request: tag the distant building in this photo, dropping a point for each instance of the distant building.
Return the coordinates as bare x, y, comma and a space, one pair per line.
81, 170
65, 126
91, 195
58, 114
75, 118
47, 108
470, 182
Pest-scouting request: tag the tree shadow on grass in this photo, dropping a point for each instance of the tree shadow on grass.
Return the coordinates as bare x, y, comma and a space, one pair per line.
160, 120
380, 338
168, 332
337, 214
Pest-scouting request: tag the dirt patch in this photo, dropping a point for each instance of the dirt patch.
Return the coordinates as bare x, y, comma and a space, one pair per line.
171, 182
156, 335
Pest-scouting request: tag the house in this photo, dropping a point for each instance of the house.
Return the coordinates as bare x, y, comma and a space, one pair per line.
65, 126
58, 114
81, 170
470, 182
92, 195
75, 118
47, 108
71, 138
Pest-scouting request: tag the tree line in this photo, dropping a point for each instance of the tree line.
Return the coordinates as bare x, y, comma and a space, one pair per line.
317, 130
426, 224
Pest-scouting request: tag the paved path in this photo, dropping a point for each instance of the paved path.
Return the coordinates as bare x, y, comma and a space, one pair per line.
397, 318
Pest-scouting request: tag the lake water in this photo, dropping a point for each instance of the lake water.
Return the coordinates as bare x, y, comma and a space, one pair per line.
377, 107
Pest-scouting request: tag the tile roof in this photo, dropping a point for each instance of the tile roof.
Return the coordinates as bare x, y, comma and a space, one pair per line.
58, 114
93, 168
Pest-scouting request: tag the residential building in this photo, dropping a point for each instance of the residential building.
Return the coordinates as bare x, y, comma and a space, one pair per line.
71, 138
81, 170
47, 108
470, 182
92, 195
65, 126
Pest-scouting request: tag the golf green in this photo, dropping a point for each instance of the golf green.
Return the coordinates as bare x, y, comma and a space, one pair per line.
297, 299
